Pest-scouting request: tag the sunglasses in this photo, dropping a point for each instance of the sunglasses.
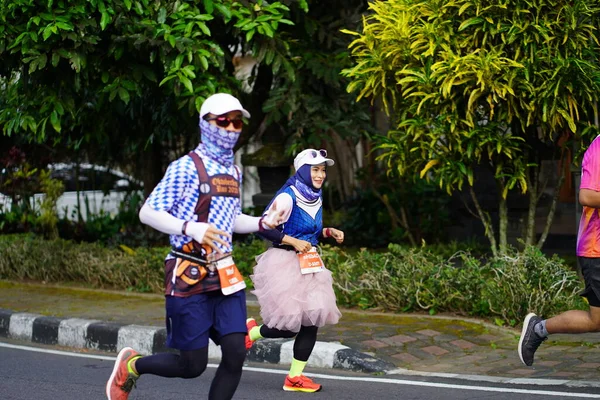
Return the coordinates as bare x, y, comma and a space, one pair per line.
224, 122
315, 153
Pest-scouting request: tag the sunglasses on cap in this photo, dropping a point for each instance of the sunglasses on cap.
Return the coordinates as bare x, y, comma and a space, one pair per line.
224, 122
315, 153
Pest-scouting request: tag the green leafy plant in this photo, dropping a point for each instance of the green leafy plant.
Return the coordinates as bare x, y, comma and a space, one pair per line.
470, 83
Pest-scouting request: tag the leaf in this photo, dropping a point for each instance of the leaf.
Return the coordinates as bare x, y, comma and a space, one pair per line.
47, 32
123, 95
204, 62
105, 20
186, 82
208, 6
267, 29
165, 80
171, 40
469, 22
162, 15
204, 28
55, 121
224, 10
64, 26
428, 166
149, 74
55, 59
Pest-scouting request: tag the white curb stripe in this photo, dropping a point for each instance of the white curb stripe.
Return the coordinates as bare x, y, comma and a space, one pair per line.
21, 325
72, 332
139, 337
322, 356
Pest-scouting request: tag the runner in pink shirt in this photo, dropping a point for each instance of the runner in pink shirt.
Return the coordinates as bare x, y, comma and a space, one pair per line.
535, 330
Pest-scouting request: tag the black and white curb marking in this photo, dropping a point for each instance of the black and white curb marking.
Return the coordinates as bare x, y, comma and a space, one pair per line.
105, 336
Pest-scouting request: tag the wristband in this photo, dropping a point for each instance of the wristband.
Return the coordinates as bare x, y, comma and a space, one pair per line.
261, 228
183, 228
327, 232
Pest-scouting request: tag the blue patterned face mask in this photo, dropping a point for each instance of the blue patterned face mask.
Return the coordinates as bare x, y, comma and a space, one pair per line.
217, 143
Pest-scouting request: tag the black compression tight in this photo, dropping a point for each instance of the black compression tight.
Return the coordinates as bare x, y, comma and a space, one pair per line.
304, 343
192, 363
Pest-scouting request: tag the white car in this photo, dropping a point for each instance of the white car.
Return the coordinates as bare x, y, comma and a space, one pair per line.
93, 188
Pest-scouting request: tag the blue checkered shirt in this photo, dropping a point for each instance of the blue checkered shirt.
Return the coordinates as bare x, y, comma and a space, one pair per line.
179, 190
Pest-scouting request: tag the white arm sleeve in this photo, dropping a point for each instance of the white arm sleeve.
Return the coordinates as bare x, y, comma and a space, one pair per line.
283, 202
246, 224
164, 222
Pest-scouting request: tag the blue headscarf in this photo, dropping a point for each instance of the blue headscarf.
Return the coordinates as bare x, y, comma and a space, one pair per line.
302, 181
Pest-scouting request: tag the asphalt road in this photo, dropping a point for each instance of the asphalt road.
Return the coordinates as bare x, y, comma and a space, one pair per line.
44, 373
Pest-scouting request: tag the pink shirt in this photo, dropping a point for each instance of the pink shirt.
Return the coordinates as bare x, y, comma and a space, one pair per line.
588, 237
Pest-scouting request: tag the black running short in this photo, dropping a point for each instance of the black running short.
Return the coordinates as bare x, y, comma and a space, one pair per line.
590, 269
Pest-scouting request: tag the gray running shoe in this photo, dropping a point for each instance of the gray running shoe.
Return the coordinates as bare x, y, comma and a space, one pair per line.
529, 341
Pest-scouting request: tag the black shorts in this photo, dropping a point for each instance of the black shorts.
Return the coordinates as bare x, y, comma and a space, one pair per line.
590, 269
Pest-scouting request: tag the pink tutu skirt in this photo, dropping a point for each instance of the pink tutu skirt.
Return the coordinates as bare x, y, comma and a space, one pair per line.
289, 299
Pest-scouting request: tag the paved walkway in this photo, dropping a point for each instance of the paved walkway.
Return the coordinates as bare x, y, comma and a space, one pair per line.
420, 343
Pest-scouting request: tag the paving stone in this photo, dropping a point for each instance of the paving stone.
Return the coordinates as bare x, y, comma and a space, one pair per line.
437, 368
399, 339
444, 338
588, 365
522, 371
564, 374
435, 350
428, 332
406, 358
470, 359
374, 344
463, 344
547, 363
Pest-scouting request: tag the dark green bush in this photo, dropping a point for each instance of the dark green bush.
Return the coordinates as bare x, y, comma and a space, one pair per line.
400, 280
25, 257
405, 279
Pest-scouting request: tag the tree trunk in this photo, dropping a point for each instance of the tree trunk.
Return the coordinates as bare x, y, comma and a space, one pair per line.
396, 220
502, 225
486, 221
550, 217
532, 189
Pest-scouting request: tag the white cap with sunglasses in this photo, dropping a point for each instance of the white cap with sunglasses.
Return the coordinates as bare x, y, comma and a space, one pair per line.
312, 157
222, 103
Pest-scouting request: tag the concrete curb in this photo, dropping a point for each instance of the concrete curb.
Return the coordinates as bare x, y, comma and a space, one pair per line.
111, 337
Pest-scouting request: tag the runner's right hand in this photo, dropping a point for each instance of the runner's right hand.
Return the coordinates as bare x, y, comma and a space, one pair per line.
301, 246
207, 234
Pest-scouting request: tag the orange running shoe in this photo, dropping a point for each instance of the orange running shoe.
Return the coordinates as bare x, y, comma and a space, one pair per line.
300, 384
250, 323
122, 380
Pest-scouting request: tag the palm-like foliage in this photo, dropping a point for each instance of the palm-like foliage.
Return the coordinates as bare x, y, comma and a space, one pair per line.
473, 82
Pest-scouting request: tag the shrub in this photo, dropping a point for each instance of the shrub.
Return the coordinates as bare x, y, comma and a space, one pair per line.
25, 257
529, 281
401, 279
408, 279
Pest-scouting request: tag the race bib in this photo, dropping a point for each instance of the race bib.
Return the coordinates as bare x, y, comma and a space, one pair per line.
310, 262
229, 276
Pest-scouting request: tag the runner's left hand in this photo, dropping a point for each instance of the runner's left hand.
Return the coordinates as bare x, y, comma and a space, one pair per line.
337, 234
273, 217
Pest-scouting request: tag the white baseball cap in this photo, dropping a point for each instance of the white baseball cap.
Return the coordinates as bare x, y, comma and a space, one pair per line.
312, 157
222, 103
